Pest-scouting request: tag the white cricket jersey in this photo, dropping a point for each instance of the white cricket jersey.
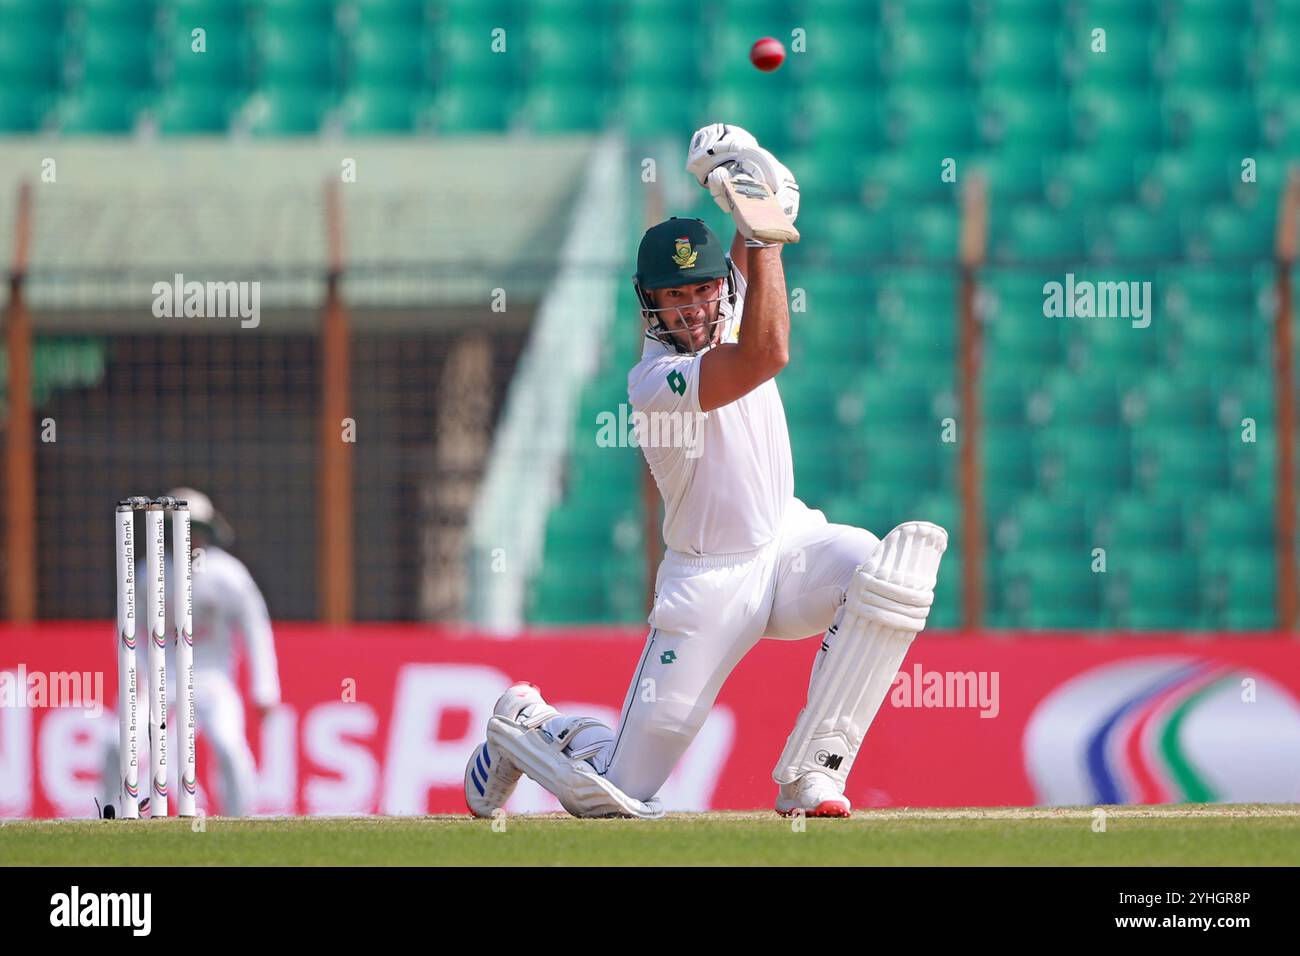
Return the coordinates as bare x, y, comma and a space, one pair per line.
727, 491
226, 601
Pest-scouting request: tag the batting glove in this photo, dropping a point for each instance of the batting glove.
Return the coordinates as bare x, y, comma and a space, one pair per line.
711, 146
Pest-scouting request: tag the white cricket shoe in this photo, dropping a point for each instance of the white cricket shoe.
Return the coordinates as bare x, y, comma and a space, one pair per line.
815, 794
490, 778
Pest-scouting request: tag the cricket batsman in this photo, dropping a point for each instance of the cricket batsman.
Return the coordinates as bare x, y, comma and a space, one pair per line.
227, 602
744, 558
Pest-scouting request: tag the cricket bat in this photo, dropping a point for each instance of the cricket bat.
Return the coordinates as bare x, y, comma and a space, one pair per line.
756, 211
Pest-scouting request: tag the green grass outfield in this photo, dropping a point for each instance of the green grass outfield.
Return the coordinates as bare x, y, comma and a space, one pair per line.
1251, 835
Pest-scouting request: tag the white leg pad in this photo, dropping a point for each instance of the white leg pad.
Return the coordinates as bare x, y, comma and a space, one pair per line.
886, 605
575, 783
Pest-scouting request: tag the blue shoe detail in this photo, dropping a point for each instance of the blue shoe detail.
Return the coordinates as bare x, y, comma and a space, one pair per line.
479, 764
487, 759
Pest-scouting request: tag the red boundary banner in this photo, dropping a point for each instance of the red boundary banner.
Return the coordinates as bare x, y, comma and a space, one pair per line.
380, 719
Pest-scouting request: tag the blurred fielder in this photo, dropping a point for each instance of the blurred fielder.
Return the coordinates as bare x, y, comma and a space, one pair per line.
226, 602
745, 559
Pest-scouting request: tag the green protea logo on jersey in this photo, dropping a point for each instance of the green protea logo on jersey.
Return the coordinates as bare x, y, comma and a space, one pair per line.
667, 657
685, 256
677, 382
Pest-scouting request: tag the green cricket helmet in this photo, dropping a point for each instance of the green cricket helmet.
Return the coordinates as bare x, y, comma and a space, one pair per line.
680, 252
203, 516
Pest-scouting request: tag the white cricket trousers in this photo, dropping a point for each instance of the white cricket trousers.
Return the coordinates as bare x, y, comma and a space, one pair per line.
709, 611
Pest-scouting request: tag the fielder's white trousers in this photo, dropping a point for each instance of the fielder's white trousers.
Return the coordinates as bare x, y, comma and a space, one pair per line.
709, 611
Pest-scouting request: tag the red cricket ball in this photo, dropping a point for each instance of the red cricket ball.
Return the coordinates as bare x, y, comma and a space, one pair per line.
767, 54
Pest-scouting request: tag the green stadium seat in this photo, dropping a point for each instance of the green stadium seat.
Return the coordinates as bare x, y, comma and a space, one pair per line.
283, 111
832, 130
1229, 524
1133, 234
1213, 341
852, 231
1118, 13
1208, 57
1173, 399
570, 53
29, 57
188, 14
1013, 337
389, 56
22, 109
920, 293
1086, 463
1223, 288
1021, 52
1186, 180
375, 13
928, 233
878, 514
1082, 180
102, 12
225, 59
649, 61
1243, 590
1107, 118
1051, 588
1182, 461
917, 119
1074, 401
1134, 524
1041, 522
913, 54
45, 14
1210, 119
1161, 591
569, 109
301, 13
1013, 176
905, 178
646, 113
1278, 66
97, 111
1114, 347
1227, 232
466, 108
193, 110
1005, 397
1251, 395
468, 56
887, 401
659, 11
1008, 464
119, 57
378, 110
846, 55
1035, 232
1020, 119
1125, 66
292, 56
899, 457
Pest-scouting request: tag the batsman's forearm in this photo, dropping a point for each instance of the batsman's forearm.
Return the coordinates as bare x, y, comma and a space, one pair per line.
765, 325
